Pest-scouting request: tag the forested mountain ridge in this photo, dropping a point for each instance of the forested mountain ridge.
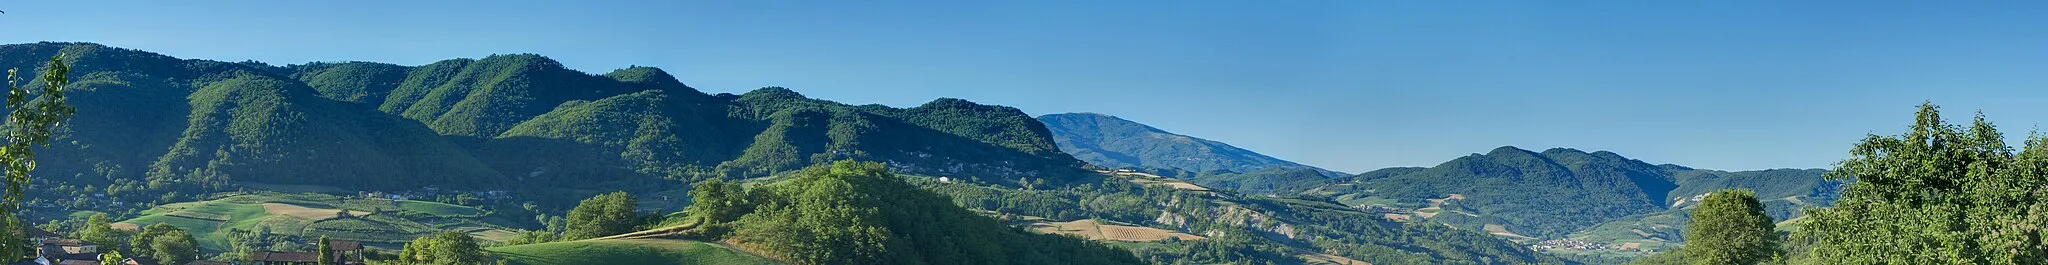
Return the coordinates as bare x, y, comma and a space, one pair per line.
1558, 192
1114, 142
149, 121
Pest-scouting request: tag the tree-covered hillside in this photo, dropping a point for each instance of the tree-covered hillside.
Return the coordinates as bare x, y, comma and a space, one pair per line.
153, 122
1118, 143
859, 213
1557, 192
148, 121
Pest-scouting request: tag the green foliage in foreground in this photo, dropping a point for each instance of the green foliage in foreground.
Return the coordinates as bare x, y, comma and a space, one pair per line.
30, 123
1730, 227
859, 213
1939, 194
626, 251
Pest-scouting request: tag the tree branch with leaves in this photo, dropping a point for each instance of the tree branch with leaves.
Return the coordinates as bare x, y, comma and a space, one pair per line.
31, 120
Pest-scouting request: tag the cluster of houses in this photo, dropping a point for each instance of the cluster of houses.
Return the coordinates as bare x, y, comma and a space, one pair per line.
1581, 245
54, 249
427, 193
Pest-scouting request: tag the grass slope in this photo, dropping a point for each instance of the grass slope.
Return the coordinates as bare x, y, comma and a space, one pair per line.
627, 251
313, 215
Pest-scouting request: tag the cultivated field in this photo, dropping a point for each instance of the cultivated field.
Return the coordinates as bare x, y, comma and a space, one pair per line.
313, 215
1095, 231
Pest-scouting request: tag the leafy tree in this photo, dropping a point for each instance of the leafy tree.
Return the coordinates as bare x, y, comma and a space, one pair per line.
718, 201
139, 244
326, 252
603, 215
30, 123
112, 257
1730, 227
532, 237
99, 230
1938, 194
174, 247
444, 248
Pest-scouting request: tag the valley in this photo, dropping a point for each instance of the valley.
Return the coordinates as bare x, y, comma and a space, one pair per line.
495, 151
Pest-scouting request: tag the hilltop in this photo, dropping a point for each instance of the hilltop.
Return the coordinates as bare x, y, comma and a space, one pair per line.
1114, 142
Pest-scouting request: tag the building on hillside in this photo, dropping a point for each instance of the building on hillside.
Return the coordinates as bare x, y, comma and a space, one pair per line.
139, 261
36, 236
283, 258
349, 252
63, 251
74, 246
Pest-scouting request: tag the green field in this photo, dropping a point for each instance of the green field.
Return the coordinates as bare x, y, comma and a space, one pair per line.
439, 209
313, 215
626, 251
205, 220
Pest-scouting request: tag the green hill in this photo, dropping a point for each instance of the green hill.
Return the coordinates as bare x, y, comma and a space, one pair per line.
149, 124
626, 251
1565, 193
1118, 143
1785, 193
1276, 180
859, 213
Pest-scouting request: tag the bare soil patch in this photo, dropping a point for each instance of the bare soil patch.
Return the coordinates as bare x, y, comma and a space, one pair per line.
1094, 231
1320, 259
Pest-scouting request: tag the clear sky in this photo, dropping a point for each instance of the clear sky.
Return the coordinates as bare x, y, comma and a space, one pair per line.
1347, 85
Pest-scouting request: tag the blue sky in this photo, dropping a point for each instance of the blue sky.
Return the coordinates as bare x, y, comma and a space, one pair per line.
1347, 85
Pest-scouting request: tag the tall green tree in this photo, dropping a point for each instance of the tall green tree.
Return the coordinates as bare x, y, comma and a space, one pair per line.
99, 230
718, 201
603, 215
326, 252
173, 247
1730, 227
444, 248
112, 257
139, 244
1939, 194
30, 123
